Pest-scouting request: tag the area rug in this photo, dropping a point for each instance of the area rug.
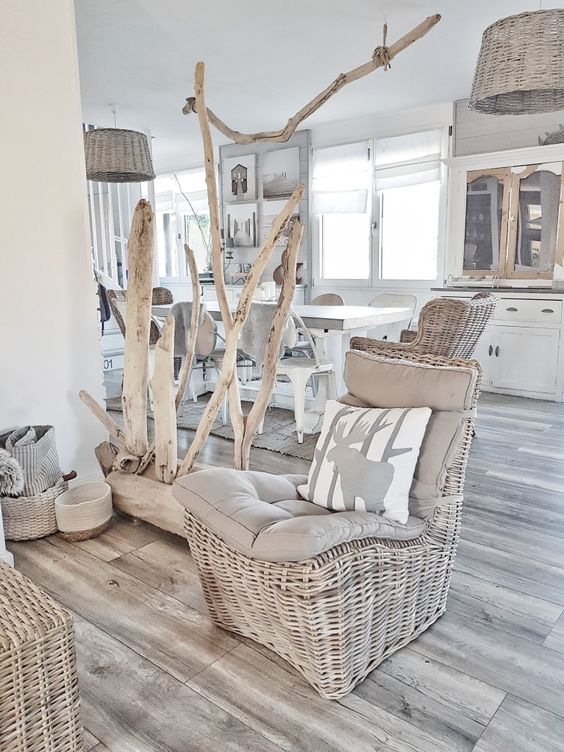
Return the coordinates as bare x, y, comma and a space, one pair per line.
279, 433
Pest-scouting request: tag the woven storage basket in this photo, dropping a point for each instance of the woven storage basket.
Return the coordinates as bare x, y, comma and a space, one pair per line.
39, 696
84, 511
29, 517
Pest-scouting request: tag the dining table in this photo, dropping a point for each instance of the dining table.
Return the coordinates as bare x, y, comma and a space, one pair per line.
331, 326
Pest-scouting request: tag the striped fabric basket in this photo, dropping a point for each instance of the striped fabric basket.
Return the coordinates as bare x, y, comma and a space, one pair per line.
35, 449
29, 517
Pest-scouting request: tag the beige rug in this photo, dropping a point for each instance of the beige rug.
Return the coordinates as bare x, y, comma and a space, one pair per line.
279, 428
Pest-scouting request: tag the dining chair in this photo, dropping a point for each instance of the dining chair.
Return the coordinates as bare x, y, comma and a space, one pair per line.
328, 299
393, 300
299, 371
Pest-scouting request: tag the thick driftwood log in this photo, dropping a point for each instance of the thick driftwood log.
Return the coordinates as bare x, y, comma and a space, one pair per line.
108, 422
138, 317
381, 57
272, 352
162, 384
147, 498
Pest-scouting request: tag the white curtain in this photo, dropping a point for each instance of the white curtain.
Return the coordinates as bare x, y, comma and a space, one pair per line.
341, 179
407, 160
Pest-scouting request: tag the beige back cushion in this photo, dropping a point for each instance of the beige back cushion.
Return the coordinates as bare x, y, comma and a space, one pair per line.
375, 382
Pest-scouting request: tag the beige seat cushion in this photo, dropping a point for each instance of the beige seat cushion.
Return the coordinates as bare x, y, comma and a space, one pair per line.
446, 390
262, 515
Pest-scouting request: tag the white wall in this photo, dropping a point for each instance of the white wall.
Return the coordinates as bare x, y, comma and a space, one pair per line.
48, 318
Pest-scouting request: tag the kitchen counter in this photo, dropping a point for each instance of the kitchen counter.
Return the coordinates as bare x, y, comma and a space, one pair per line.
500, 289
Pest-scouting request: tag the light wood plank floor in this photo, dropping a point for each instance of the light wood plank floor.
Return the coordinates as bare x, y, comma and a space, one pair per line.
156, 676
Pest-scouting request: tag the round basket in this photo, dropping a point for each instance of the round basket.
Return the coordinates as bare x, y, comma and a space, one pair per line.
30, 517
84, 511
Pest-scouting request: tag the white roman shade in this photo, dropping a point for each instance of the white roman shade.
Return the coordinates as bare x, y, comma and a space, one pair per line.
341, 179
407, 160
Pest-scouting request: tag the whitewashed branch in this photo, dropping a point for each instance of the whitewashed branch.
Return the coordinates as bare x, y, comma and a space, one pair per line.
380, 58
108, 422
272, 351
162, 385
137, 327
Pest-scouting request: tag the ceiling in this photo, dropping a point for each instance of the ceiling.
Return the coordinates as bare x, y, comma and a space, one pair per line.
265, 60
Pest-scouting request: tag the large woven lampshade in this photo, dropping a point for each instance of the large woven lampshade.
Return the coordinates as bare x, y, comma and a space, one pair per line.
116, 155
520, 67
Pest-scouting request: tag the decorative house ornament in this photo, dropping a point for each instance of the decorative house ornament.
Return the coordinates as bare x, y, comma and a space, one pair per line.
117, 155
520, 68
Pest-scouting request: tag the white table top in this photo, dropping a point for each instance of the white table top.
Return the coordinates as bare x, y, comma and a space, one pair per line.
331, 318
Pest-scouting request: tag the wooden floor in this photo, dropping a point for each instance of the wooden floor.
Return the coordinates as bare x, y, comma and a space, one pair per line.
488, 676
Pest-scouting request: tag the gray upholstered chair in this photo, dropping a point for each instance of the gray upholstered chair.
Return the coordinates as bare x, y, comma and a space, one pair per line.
448, 327
335, 593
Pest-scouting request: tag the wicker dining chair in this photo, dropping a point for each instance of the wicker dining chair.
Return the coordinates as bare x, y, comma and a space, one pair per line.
448, 327
337, 614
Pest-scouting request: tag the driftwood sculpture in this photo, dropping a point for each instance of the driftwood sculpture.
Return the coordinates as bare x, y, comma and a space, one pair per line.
141, 474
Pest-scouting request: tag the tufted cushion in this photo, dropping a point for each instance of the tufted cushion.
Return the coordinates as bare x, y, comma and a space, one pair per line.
262, 516
447, 390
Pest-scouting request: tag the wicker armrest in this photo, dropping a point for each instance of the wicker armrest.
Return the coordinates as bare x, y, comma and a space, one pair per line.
408, 335
375, 345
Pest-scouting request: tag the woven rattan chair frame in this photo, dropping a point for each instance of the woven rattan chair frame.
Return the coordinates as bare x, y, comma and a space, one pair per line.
448, 327
39, 698
337, 616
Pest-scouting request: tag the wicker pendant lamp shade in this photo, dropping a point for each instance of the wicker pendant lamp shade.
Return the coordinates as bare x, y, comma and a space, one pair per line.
520, 67
116, 155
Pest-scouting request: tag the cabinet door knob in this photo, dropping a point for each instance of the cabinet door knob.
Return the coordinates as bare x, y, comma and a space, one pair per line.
511, 308
497, 351
490, 350
547, 310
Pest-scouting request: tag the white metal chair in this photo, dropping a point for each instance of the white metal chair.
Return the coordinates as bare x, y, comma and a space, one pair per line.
299, 371
393, 300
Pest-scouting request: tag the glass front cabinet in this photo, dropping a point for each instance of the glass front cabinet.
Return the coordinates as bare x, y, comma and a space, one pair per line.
514, 222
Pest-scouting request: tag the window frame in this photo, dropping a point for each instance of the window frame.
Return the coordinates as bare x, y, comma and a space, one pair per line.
374, 279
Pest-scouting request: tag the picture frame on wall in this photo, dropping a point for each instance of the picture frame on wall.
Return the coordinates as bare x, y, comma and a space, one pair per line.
239, 178
241, 222
270, 210
280, 172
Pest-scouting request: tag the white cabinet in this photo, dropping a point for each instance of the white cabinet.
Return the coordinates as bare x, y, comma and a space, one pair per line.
520, 349
521, 359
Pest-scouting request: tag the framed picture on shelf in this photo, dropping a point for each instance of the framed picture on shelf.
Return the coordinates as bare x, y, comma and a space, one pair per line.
271, 209
239, 178
241, 224
280, 172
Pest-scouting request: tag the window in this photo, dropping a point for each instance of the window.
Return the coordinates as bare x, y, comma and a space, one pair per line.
408, 249
182, 217
341, 180
404, 200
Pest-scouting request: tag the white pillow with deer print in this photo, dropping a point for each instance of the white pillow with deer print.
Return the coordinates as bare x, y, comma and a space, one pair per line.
365, 459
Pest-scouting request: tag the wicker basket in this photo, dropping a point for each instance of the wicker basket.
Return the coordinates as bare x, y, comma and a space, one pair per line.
29, 517
84, 511
39, 696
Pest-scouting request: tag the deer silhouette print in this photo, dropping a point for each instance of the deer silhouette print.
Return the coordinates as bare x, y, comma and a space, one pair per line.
359, 476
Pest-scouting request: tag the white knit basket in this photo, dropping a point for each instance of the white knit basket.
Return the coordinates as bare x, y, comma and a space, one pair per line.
84, 511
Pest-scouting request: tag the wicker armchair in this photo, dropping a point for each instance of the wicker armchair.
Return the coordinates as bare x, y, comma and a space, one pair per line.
337, 615
448, 327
